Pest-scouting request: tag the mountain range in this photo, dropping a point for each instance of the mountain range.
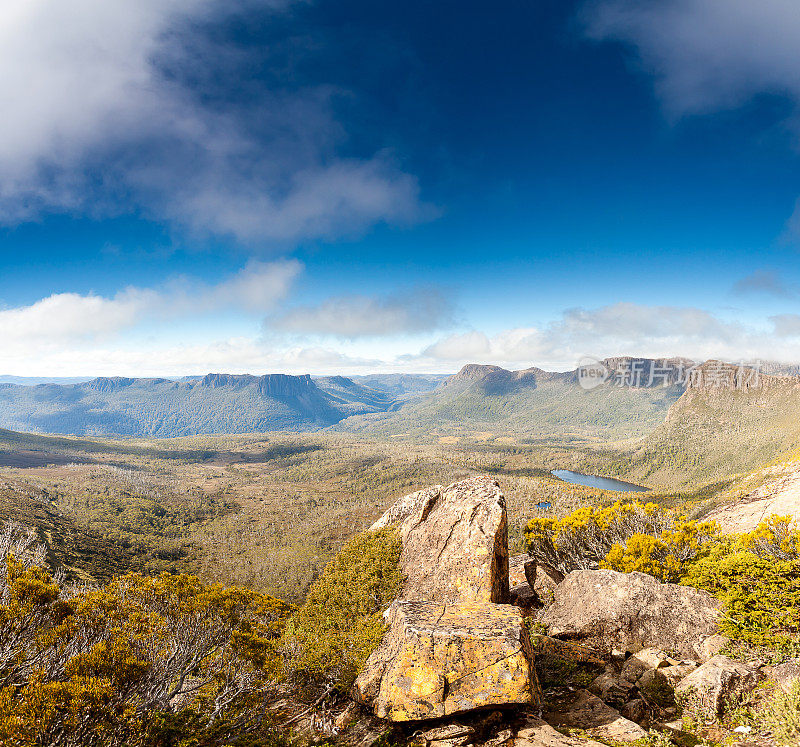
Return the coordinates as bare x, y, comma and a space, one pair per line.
634, 398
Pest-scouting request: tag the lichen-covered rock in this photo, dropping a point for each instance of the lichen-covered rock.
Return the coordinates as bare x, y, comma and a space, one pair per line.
455, 547
705, 693
403, 507
440, 659
582, 710
630, 611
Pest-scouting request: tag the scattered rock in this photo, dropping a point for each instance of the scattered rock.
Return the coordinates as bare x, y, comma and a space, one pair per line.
523, 596
455, 546
516, 569
439, 659
785, 674
403, 507
611, 688
634, 710
582, 710
654, 686
450, 731
675, 673
538, 733
648, 658
706, 691
501, 738
461, 741
608, 610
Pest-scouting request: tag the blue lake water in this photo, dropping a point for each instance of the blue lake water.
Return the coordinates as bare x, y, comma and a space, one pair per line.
595, 481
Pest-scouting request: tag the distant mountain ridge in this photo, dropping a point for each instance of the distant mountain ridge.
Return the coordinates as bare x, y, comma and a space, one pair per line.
634, 397
215, 403
533, 402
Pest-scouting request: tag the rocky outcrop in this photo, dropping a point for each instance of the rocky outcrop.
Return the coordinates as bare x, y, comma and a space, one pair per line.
706, 691
455, 547
403, 507
439, 659
630, 611
452, 645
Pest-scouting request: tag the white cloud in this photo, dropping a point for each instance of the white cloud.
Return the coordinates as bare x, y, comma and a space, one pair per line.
707, 55
93, 123
65, 317
623, 329
227, 355
350, 317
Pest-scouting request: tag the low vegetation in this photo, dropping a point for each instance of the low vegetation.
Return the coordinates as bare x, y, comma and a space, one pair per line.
779, 714
341, 623
143, 660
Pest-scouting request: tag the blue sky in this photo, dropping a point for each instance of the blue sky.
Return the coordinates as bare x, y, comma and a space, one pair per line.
317, 186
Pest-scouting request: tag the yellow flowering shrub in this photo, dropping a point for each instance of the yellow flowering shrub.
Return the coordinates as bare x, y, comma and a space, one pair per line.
125, 663
625, 536
667, 556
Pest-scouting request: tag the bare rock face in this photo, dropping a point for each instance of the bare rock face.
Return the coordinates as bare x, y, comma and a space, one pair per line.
631, 611
455, 546
403, 507
439, 659
582, 710
705, 692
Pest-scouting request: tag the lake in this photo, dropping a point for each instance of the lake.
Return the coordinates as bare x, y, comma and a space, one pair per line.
595, 481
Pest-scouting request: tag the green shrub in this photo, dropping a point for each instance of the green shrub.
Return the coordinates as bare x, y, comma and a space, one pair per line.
760, 595
780, 715
341, 623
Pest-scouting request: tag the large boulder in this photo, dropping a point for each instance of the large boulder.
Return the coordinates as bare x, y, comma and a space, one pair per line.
403, 507
440, 659
631, 611
455, 546
706, 692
